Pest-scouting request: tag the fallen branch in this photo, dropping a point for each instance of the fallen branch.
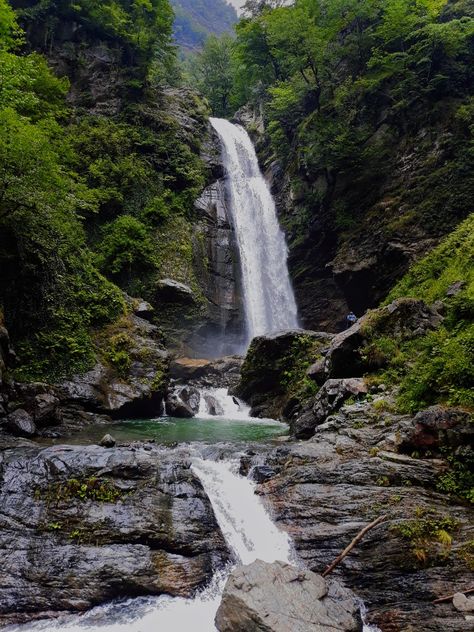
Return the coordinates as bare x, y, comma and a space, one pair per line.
349, 548
449, 597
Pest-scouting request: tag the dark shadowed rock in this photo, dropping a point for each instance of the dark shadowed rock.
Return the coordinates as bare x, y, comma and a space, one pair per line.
45, 406
171, 291
20, 423
329, 399
151, 530
266, 365
263, 597
403, 319
176, 407
138, 392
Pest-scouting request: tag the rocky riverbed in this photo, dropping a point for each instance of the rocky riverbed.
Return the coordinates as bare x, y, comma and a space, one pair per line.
325, 490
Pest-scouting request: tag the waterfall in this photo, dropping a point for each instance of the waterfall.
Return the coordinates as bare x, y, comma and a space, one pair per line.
269, 301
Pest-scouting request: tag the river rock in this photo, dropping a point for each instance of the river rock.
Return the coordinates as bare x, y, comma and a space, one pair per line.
191, 397
20, 423
107, 441
151, 530
329, 399
221, 373
176, 407
264, 368
212, 405
463, 603
263, 597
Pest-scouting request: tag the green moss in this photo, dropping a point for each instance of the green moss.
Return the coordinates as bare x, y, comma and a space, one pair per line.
93, 488
459, 479
430, 536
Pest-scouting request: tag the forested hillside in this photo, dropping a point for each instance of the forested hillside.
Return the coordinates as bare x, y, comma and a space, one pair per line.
195, 20
98, 168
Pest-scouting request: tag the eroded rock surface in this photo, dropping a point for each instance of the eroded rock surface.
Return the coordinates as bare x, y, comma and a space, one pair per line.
278, 597
141, 525
325, 490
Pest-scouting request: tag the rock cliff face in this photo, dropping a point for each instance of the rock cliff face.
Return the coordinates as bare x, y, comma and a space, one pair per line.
352, 236
324, 491
217, 264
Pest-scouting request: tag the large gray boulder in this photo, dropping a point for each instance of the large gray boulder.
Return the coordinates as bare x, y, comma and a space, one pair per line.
263, 597
176, 407
137, 392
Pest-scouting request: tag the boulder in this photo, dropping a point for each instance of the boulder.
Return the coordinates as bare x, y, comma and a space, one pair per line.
107, 441
45, 406
221, 373
143, 525
191, 397
171, 291
267, 364
328, 400
175, 407
139, 392
437, 427
463, 603
139, 307
263, 597
20, 423
212, 405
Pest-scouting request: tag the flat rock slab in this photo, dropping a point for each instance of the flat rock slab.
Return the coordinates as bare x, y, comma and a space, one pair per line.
278, 597
150, 529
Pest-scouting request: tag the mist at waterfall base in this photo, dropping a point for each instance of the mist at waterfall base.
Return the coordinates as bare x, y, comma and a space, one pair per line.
268, 300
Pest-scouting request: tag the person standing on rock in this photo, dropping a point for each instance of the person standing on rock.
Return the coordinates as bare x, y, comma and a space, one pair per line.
351, 318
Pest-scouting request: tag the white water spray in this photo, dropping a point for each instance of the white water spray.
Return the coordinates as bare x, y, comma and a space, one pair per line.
268, 296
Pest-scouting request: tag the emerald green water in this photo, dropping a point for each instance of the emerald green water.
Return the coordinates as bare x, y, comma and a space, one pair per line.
169, 430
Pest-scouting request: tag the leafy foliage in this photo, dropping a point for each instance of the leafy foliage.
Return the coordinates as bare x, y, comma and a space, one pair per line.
80, 193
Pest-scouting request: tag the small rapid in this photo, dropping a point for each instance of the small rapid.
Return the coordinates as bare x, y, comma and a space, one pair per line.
268, 295
250, 534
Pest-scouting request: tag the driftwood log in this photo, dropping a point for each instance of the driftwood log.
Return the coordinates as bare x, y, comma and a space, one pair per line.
355, 541
449, 597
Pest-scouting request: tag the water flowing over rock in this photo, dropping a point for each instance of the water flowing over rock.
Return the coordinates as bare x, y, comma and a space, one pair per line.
83, 525
268, 296
278, 597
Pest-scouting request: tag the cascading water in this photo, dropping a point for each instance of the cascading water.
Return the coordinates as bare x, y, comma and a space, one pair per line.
268, 296
250, 534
